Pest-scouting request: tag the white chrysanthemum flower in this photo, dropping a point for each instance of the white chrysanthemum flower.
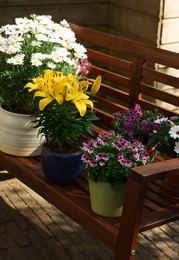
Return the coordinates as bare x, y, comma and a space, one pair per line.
67, 34
16, 38
5, 49
14, 48
36, 43
80, 50
52, 39
51, 65
45, 19
59, 54
22, 29
161, 120
41, 37
36, 62
16, 60
20, 21
3, 42
37, 58
69, 61
176, 148
42, 29
174, 132
64, 23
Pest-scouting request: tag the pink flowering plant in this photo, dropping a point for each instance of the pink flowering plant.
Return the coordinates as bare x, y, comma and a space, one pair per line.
166, 135
135, 123
109, 157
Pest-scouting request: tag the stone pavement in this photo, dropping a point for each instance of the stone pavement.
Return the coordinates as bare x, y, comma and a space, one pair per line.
32, 229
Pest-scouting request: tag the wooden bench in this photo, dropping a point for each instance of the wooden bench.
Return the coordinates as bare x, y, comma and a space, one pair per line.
129, 76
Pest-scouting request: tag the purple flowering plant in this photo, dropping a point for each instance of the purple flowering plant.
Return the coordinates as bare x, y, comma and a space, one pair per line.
135, 123
109, 157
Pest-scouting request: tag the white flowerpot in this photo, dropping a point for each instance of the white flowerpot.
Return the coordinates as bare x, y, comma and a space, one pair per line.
17, 135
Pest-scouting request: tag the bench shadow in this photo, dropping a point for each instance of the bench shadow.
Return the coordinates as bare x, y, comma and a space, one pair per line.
41, 232
4, 175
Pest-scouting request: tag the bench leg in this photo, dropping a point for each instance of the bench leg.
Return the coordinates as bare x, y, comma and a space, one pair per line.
130, 221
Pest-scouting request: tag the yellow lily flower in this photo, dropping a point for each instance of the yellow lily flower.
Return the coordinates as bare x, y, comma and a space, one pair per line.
81, 105
96, 85
57, 86
31, 86
44, 102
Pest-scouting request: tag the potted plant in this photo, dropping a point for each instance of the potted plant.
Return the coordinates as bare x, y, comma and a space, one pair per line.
65, 115
107, 160
135, 123
27, 48
166, 138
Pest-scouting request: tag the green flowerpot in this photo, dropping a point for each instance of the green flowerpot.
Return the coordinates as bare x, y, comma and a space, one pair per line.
106, 201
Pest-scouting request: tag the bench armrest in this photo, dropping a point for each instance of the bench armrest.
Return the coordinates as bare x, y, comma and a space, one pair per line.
154, 171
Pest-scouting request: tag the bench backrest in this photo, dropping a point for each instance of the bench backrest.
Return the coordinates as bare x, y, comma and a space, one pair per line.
131, 73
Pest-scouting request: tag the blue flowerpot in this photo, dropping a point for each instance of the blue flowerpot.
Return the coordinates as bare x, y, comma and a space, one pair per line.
61, 168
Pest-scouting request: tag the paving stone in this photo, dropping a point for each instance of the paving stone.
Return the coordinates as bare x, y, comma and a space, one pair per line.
16, 234
13, 251
33, 229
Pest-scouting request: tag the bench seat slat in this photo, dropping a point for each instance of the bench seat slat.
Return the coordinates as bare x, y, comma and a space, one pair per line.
160, 217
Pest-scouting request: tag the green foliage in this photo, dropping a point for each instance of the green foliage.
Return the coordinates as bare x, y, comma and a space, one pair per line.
63, 125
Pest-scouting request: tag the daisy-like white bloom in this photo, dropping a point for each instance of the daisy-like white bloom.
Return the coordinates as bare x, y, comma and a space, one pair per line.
37, 59
14, 48
51, 65
161, 120
64, 23
176, 148
16, 38
16, 60
41, 37
174, 132
22, 21
36, 43
79, 50
59, 54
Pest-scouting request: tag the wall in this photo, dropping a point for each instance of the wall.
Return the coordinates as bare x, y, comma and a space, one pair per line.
136, 19
155, 22
170, 26
90, 12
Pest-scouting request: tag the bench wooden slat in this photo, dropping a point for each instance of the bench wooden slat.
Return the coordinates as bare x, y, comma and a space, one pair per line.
126, 47
111, 76
151, 106
106, 59
159, 218
159, 94
160, 77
